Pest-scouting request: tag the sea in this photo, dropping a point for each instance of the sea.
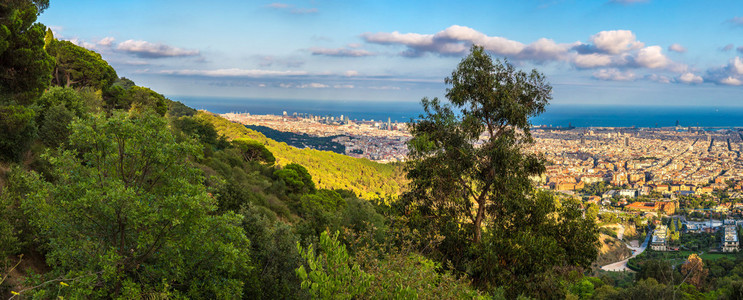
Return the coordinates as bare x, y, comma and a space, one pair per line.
556, 115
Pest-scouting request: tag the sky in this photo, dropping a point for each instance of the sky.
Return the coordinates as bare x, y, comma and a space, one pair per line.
609, 52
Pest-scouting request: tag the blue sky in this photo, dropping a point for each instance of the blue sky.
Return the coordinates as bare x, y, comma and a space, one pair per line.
631, 52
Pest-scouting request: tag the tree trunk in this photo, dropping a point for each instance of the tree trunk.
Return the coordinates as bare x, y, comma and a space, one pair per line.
478, 222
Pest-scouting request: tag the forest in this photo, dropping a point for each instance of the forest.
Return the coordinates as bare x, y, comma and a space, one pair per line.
109, 189
301, 140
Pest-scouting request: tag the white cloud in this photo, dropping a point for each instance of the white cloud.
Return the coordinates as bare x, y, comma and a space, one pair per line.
592, 60
616, 41
545, 49
456, 40
107, 41
351, 73
616, 51
313, 85
343, 86
146, 49
651, 57
689, 77
614, 75
730, 74
234, 72
82, 43
731, 81
340, 52
658, 78
676, 48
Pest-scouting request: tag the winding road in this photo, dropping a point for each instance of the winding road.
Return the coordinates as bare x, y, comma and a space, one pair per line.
622, 265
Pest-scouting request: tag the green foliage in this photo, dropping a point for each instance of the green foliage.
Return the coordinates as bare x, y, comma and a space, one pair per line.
412, 276
17, 131
320, 211
142, 99
25, 68
297, 179
324, 143
477, 193
254, 151
126, 205
274, 253
199, 129
540, 237
134, 98
65, 96
177, 109
79, 67
54, 129
360, 216
659, 270
596, 188
331, 274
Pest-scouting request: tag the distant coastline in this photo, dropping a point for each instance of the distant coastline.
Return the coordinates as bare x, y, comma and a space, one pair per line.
557, 115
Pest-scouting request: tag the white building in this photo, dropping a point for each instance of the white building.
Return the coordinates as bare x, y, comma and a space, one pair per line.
658, 241
730, 239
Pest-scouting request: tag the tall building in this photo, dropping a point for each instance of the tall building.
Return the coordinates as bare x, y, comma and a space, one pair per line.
730, 239
626, 141
389, 123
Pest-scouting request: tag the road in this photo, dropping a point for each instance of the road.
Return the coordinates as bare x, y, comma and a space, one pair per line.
622, 265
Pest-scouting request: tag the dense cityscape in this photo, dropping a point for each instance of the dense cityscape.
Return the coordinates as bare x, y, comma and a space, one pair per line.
633, 175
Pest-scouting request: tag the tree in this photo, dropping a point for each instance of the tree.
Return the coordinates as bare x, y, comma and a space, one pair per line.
693, 271
78, 67
468, 173
142, 98
126, 208
253, 150
331, 273
452, 175
17, 131
25, 68
297, 179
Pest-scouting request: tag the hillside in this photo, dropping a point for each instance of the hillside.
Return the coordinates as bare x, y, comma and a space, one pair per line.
328, 169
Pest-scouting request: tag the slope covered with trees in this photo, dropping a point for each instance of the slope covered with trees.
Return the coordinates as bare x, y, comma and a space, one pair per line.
331, 170
111, 190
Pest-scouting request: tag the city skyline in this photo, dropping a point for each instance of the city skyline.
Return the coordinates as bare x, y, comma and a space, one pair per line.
604, 52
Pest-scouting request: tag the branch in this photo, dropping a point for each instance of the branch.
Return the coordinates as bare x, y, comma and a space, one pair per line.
20, 258
53, 280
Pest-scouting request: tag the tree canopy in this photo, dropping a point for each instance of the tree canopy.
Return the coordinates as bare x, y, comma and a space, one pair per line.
125, 209
469, 174
25, 68
77, 67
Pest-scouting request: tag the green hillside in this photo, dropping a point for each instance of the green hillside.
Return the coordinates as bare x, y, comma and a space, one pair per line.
329, 170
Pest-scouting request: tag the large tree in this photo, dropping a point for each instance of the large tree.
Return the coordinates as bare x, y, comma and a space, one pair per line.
126, 211
464, 165
78, 67
25, 68
470, 180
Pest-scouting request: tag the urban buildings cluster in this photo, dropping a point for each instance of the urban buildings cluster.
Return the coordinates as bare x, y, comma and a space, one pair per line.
382, 141
646, 170
667, 160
